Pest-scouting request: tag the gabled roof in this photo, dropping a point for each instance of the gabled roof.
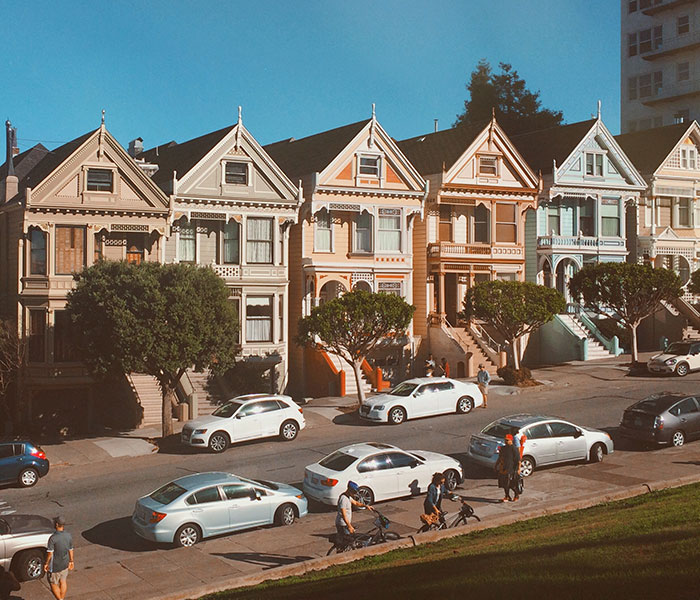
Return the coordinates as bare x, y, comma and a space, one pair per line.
649, 148
181, 157
432, 152
314, 153
540, 148
25, 161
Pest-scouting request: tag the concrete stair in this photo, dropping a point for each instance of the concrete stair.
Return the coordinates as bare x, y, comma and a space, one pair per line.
350, 384
690, 332
150, 397
466, 340
596, 350
209, 396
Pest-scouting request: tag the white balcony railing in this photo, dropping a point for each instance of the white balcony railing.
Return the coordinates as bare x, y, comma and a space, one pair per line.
452, 250
577, 242
227, 271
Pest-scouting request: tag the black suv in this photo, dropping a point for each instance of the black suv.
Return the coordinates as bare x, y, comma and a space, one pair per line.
662, 419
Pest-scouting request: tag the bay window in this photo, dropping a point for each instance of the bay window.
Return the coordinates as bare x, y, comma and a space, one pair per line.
37, 252
610, 217
187, 244
506, 226
259, 240
323, 231
232, 246
389, 230
363, 232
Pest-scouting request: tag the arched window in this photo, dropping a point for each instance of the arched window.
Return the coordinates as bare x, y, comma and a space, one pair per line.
37, 252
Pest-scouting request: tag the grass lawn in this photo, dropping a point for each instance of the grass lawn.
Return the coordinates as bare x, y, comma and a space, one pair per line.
645, 547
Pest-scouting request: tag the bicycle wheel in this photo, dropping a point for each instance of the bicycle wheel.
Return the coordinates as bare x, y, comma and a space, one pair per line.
391, 536
424, 528
459, 521
334, 550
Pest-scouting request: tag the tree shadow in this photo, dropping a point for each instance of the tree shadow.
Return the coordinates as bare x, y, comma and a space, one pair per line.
117, 534
260, 559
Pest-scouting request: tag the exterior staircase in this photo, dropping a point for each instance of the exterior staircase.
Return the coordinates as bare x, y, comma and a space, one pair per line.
465, 338
690, 333
595, 349
350, 384
209, 396
147, 391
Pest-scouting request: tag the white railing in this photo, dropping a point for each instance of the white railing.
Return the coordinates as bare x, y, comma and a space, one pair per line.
481, 334
576, 241
227, 271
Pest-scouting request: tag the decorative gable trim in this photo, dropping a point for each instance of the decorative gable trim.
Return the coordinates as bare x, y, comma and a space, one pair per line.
693, 131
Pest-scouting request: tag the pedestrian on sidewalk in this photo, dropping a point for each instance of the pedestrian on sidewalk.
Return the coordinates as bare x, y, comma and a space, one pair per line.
445, 367
8, 583
483, 379
429, 365
59, 558
508, 470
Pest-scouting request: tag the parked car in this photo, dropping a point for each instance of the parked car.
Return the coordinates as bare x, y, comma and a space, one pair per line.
194, 507
22, 462
549, 440
381, 470
680, 358
422, 397
23, 541
662, 419
245, 418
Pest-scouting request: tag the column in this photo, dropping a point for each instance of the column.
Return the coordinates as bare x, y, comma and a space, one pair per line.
441, 298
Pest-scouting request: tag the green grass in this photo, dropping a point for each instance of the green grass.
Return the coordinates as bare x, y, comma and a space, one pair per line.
644, 547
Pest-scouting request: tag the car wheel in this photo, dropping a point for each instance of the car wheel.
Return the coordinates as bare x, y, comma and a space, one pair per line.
597, 453
218, 442
285, 515
397, 415
465, 405
187, 535
451, 479
28, 477
527, 466
366, 495
678, 438
289, 430
29, 565
682, 369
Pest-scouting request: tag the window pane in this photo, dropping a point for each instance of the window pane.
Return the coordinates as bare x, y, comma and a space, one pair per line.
232, 243
135, 248
37, 259
236, 173
63, 349
259, 241
207, 495
259, 318
369, 165
505, 223
488, 165
99, 180
70, 249
683, 24
322, 238
610, 226
37, 335
188, 242
481, 224
389, 233
363, 232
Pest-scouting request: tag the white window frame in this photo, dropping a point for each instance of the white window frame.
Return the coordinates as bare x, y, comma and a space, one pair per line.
317, 248
248, 178
364, 156
391, 213
271, 318
187, 223
689, 158
482, 159
88, 168
355, 229
248, 241
222, 241
596, 158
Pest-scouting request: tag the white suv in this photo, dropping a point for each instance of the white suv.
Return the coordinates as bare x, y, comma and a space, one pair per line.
680, 358
245, 418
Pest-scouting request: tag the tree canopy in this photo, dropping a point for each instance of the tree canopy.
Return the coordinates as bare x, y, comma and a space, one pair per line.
153, 318
352, 325
632, 291
517, 109
514, 308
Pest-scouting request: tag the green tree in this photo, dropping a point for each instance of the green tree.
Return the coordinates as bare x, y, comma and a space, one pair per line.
353, 324
153, 318
632, 291
517, 109
513, 308
694, 285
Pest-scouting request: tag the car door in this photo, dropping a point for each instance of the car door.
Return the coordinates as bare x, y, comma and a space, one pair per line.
4, 534
540, 444
425, 400
409, 473
246, 423
694, 356
446, 397
570, 442
209, 510
9, 463
378, 474
689, 416
244, 508
270, 418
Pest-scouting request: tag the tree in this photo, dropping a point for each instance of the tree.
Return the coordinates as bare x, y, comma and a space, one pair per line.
514, 308
694, 285
353, 324
631, 291
153, 318
12, 352
517, 109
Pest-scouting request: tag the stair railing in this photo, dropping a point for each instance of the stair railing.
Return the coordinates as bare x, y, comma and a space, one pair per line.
612, 345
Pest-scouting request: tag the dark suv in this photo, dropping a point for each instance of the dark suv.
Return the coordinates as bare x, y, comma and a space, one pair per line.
662, 419
22, 462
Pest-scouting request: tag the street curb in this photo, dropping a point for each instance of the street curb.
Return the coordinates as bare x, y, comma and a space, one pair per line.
317, 564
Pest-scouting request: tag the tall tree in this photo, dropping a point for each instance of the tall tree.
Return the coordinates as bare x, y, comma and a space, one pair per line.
517, 109
353, 324
153, 318
632, 291
513, 308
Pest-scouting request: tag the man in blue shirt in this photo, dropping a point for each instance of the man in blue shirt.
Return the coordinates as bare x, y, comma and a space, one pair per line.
59, 559
483, 379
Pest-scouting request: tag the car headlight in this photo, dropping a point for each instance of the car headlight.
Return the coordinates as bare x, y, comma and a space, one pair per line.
380, 407
199, 431
671, 361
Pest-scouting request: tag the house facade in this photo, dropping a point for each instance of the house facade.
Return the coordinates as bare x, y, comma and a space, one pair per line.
361, 200
62, 211
588, 181
232, 208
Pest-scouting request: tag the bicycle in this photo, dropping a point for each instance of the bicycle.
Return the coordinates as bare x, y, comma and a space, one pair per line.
377, 535
439, 523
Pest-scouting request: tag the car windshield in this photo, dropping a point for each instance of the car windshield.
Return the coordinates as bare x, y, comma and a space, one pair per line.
228, 409
678, 348
498, 430
338, 461
168, 493
403, 389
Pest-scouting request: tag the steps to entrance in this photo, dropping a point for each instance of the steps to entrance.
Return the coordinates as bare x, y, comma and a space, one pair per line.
148, 393
690, 332
350, 383
466, 340
596, 350
209, 397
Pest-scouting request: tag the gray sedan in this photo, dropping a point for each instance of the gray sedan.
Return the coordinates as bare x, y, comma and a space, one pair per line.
193, 507
549, 440
23, 540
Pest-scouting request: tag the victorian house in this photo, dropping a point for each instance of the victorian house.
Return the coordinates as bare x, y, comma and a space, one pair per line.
481, 190
62, 210
232, 208
361, 200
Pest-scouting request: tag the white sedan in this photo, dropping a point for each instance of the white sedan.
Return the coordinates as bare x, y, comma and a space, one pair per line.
422, 397
381, 470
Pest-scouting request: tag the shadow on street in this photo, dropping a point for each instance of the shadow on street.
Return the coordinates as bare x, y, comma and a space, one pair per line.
117, 534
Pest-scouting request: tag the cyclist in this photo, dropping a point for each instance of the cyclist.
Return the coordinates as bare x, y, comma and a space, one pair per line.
348, 499
432, 505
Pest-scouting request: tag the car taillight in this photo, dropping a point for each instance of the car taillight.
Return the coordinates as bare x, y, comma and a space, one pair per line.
38, 453
329, 482
156, 517
658, 423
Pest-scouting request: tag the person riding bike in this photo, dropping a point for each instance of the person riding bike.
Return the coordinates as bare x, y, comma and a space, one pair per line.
432, 505
348, 499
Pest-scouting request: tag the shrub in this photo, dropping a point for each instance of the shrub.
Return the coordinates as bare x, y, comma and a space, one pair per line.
513, 376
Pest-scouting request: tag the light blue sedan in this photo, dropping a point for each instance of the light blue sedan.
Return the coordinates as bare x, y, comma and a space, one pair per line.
194, 507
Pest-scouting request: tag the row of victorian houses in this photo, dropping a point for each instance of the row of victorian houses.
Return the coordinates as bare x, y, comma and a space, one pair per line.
292, 224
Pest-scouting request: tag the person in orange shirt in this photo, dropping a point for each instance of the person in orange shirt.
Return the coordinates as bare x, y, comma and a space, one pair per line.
445, 367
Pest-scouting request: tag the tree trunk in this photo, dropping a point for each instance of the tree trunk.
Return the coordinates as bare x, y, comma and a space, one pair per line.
633, 343
516, 354
169, 398
357, 367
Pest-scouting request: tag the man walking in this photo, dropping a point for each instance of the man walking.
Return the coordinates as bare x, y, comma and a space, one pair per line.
483, 379
59, 559
508, 469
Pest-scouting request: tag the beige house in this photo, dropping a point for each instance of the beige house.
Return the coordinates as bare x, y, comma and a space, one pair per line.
361, 200
61, 211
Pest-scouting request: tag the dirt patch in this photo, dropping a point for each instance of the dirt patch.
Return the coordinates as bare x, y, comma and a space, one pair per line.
529, 383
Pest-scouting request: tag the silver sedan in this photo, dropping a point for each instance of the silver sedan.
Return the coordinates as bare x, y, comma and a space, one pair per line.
193, 507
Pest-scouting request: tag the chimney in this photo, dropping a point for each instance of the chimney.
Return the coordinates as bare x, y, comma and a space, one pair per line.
436, 125
135, 147
11, 180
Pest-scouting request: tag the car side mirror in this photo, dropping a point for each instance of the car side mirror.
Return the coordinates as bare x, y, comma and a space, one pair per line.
239, 416
578, 433
414, 464
255, 495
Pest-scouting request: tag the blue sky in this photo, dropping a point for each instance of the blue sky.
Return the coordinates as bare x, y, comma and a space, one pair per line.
175, 69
